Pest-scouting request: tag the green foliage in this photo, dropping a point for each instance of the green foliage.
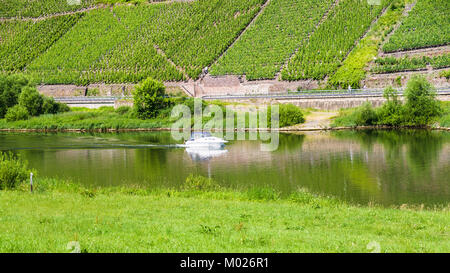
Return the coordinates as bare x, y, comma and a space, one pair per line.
427, 25
128, 40
332, 41
3, 107
391, 112
17, 112
216, 221
87, 119
353, 71
33, 39
365, 115
10, 88
49, 106
122, 110
199, 183
33, 8
31, 100
13, 171
62, 107
290, 115
421, 107
445, 74
444, 121
149, 98
391, 64
263, 194
271, 39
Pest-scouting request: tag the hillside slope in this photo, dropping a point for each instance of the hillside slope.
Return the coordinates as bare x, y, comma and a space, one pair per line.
334, 41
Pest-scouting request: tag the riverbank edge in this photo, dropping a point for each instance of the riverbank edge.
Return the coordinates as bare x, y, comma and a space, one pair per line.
204, 190
281, 130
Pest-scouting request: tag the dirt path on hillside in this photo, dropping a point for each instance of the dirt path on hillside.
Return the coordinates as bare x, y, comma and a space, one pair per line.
316, 121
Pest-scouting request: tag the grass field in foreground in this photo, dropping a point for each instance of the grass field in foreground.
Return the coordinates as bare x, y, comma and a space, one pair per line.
139, 220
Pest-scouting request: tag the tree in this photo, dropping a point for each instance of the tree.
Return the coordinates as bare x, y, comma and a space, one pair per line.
10, 88
421, 106
149, 98
31, 100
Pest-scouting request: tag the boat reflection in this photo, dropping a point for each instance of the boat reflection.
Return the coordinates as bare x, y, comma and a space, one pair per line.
205, 154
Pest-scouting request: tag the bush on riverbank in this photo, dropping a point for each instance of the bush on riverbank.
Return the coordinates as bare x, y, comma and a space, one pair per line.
290, 115
17, 94
149, 98
444, 121
13, 171
420, 109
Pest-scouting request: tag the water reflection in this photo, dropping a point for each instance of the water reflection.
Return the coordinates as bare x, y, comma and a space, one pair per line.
198, 154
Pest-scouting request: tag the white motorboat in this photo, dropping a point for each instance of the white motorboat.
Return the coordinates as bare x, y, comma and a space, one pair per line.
205, 140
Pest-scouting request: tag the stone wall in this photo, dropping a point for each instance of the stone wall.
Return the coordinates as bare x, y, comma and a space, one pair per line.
224, 85
329, 104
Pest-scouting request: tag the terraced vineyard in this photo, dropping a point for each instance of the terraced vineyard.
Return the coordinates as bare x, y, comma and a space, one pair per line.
428, 24
274, 36
332, 41
96, 33
29, 39
391, 65
119, 45
175, 40
194, 35
33, 8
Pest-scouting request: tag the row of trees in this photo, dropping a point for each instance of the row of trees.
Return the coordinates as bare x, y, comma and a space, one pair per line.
419, 109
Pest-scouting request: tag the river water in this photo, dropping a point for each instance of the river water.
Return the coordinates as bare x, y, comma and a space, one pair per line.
383, 167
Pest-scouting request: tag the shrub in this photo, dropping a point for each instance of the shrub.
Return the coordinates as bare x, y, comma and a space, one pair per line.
263, 193
49, 106
18, 112
290, 115
13, 171
199, 183
3, 107
122, 110
149, 98
391, 113
421, 106
365, 115
445, 74
32, 100
62, 107
10, 88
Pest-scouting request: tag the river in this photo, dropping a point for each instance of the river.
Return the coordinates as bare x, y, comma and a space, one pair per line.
373, 166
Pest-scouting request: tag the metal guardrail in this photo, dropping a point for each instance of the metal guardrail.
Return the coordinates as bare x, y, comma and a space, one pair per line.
89, 100
354, 93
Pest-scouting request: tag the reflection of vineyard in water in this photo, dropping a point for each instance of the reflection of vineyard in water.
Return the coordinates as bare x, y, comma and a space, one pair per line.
383, 166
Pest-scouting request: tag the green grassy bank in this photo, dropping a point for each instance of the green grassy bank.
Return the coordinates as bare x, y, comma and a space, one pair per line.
87, 119
200, 219
349, 117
